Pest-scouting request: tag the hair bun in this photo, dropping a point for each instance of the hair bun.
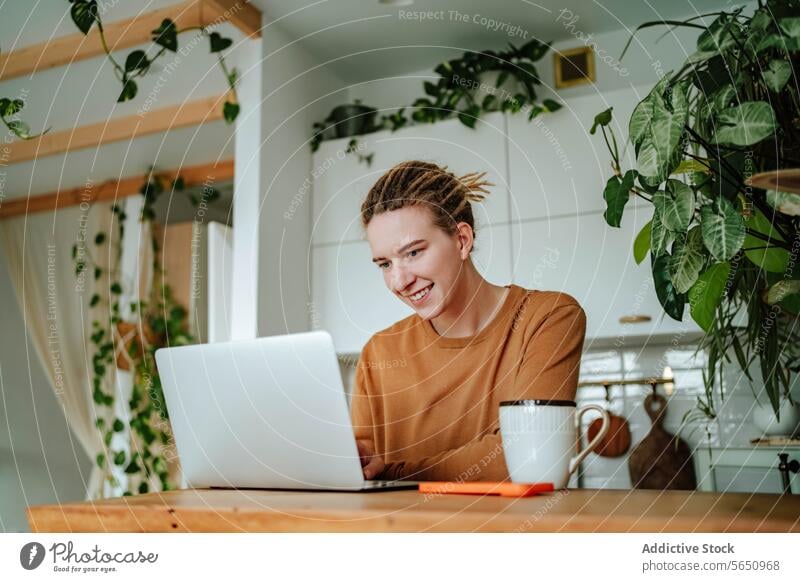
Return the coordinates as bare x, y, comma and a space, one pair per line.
474, 186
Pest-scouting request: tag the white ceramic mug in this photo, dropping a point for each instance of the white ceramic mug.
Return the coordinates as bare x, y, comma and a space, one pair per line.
540, 439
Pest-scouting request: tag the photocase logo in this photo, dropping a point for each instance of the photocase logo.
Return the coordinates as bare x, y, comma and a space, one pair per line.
31, 555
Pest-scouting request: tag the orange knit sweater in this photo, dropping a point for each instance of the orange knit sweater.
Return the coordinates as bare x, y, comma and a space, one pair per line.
430, 403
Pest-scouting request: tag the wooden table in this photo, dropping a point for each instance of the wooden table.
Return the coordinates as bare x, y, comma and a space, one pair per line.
578, 510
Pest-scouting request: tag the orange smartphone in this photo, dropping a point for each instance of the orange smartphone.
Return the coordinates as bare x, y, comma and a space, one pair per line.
485, 488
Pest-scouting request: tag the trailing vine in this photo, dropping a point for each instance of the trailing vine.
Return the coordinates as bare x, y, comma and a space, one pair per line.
454, 93
161, 322
85, 14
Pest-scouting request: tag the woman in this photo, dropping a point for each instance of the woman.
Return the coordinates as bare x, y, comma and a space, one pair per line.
468, 346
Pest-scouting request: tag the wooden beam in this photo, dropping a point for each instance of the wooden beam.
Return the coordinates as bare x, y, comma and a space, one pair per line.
127, 33
114, 189
117, 129
240, 13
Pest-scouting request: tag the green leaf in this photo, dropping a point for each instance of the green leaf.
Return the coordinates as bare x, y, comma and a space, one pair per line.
678, 204
773, 259
723, 229
128, 92
94, 300
642, 116
116, 288
790, 26
551, 105
660, 235
784, 202
602, 119
431, 88
100, 238
118, 425
641, 246
777, 75
9, 107
144, 487
166, 35
136, 61
666, 130
671, 301
687, 260
218, 42
233, 76
745, 124
781, 290
230, 111
84, 14
20, 129
707, 293
691, 166
101, 460
640, 120
647, 161
469, 116
534, 49
617, 194
119, 458
719, 36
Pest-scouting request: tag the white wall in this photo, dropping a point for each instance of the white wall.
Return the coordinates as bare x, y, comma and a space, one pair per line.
645, 62
296, 94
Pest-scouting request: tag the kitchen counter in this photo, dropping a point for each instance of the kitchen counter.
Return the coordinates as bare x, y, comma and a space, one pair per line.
575, 510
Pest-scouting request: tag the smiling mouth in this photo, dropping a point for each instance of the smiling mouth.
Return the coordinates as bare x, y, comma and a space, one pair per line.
421, 295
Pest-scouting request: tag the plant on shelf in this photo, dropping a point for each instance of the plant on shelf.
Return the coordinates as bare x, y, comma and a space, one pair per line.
715, 241
467, 87
85, 14
131, 346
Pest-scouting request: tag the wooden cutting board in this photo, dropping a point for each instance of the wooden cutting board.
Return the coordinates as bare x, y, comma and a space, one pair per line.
661, 460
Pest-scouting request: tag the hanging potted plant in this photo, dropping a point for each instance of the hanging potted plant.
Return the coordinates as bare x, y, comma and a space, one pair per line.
717, 241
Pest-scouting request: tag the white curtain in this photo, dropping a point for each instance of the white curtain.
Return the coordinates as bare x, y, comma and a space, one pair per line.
55, 307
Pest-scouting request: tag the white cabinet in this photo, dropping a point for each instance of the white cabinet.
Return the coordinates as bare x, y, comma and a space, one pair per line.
583, 256
556, 167
341, 181
351, 301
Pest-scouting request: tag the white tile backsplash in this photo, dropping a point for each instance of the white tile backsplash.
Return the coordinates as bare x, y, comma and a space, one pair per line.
732, 427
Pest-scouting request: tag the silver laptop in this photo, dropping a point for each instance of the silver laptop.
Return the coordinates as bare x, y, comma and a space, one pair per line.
267, 413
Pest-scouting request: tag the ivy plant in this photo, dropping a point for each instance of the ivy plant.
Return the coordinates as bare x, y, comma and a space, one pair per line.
456, 90
85, 15
716, 242
161, 322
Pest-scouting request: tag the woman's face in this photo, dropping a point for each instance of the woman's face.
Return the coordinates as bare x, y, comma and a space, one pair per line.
421, 263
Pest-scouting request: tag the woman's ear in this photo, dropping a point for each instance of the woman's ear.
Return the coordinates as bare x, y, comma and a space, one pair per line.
466, 239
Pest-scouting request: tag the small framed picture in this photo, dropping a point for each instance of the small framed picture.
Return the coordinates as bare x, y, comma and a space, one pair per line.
574, 67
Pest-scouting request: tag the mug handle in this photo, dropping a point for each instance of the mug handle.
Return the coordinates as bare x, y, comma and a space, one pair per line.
575, 462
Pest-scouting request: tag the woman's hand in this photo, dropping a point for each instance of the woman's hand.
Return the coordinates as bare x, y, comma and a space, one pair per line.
371, 464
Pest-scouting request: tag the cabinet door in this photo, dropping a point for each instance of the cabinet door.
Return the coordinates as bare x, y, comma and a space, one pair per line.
342, 182
583, 256
556, 167
351, 301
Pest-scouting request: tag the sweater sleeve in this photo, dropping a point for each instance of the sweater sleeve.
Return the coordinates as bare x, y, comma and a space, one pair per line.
549, 370
360, 409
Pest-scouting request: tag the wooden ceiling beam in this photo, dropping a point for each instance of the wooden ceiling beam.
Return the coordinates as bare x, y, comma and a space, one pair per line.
116, 129
199, 175
128, 33
240, 13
